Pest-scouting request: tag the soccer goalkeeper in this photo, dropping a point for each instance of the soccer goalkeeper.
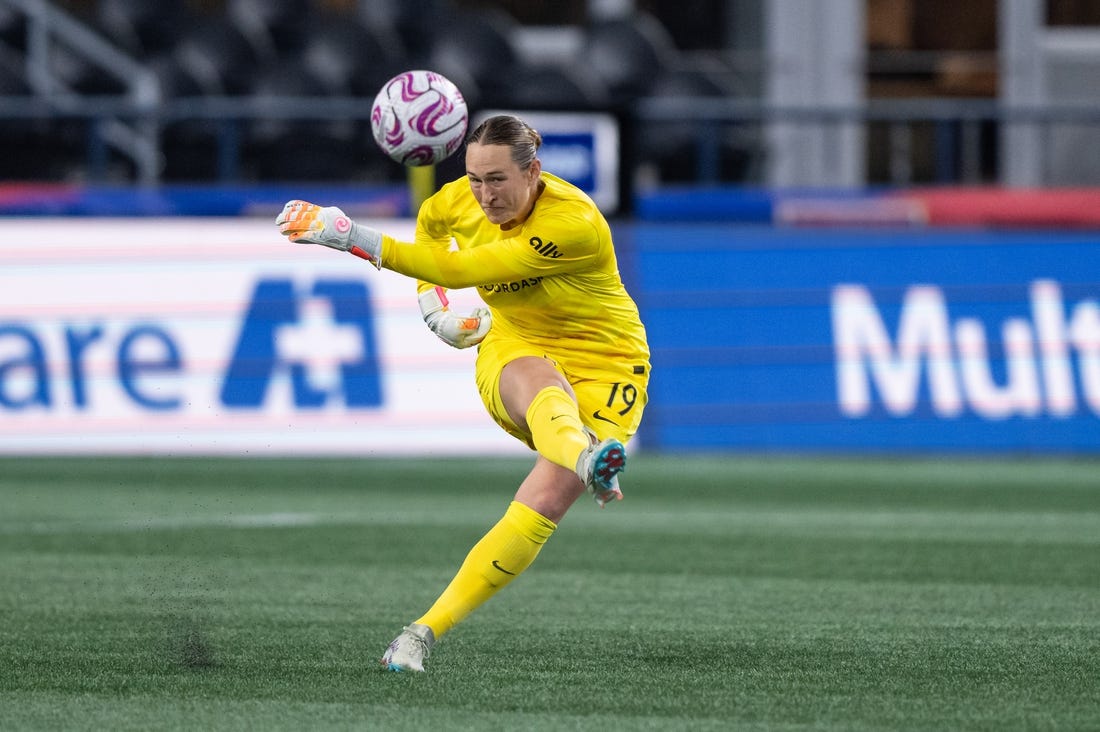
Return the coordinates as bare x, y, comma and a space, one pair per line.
562, 361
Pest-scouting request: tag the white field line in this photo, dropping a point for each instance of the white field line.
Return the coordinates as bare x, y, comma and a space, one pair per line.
283, 519
1044, 527
135, 524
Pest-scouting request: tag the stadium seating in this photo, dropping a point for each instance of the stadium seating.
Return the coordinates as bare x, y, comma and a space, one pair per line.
272, 27
13, 29
674, 152
348, 56
555, 87
474, 49
218, 56
627, 54
38, 140
268, 48
141, 28
190, 146
308, 150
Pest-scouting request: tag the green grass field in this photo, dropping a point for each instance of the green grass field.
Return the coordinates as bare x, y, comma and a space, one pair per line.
746, 594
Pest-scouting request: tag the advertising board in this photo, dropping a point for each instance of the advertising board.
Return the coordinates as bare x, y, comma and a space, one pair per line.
192, 335
868, 339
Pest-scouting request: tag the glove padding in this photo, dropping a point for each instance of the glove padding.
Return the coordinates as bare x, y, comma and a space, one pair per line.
453, 329
307, 223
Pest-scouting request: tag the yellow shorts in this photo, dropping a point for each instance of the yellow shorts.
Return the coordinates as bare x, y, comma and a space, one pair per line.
611, 395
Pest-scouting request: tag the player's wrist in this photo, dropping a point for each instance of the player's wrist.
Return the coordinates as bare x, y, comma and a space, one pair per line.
433, 301
365, 243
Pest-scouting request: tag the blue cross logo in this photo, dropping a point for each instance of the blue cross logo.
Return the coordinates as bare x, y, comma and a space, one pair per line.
322, 340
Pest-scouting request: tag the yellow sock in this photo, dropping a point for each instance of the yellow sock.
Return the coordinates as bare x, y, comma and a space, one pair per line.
500, 555
556, 427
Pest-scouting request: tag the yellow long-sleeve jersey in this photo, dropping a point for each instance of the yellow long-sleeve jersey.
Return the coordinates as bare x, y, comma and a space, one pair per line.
552, 281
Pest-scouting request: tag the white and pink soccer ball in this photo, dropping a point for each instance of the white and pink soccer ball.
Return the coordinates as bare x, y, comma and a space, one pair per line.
419, 118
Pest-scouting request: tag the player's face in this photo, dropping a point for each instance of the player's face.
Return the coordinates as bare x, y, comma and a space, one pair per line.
505, 191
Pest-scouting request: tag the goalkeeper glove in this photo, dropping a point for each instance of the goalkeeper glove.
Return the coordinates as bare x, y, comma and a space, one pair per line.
307, 223
452, 329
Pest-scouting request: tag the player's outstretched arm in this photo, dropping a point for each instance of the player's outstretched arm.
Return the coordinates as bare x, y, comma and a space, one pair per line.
307, 223
500, 261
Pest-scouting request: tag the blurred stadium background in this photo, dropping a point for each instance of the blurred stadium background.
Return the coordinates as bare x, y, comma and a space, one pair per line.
845, 92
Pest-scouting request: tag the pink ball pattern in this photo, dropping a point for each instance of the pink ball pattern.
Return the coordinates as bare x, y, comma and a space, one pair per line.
419, 118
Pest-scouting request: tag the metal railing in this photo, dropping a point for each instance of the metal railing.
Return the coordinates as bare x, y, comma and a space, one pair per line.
954, 127
960, 138
132, 135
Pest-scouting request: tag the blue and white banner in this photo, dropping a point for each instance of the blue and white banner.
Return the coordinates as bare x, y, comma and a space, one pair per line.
871, 339
581, 147
178, 336
219, 336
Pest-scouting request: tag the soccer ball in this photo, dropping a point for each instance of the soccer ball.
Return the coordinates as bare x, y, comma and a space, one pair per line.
419, 118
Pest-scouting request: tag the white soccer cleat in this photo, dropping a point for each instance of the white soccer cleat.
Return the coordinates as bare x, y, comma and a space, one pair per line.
599, 467
408, 650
